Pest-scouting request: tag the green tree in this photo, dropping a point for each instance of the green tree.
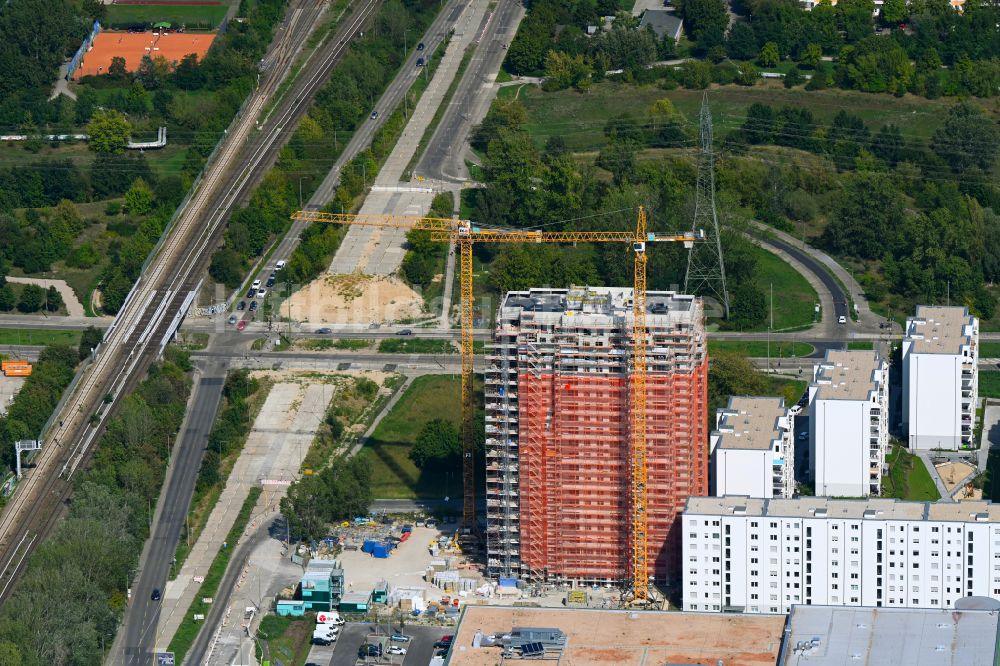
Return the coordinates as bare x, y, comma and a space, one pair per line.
137, 99
437, 446
811, 55
869, 214
32, 298
152, 72
967, 139
227, 267
53, 300
769, 55
7, 298
116, 69
760, 125
627, 48
741, 43
893, 11
108, 132
89, 339
793, 78
747, 74
855, 18
888, 144
139, 198
563, 70
189, 75
705, 21
748, 307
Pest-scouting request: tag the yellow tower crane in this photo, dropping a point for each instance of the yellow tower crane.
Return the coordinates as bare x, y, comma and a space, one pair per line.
465, 234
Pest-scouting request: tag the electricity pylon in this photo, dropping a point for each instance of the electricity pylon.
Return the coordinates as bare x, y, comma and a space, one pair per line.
706, 270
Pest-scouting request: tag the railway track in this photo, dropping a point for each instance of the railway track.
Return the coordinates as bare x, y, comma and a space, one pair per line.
133, 341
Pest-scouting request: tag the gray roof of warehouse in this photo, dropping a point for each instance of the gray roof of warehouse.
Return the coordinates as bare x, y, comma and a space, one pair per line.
838, 636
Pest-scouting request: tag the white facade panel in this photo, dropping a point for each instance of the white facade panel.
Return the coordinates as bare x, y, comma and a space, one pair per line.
837, 443
896, 554
940, 377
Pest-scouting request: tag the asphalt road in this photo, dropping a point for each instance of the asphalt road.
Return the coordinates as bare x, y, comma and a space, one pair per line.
444, 158
419, 649
142, 614
840, 299
363, 135
221, 602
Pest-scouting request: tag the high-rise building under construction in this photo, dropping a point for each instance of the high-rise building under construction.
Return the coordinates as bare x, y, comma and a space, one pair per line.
558, 467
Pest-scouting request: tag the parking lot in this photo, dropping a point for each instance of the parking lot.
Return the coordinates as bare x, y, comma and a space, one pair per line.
344, 652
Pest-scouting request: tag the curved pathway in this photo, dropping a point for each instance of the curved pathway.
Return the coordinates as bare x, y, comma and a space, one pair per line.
73, 305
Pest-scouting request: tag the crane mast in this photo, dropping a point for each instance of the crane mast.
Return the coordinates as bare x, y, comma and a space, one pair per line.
465, 234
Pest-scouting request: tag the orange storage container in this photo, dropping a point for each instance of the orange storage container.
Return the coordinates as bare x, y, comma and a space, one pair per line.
18, 371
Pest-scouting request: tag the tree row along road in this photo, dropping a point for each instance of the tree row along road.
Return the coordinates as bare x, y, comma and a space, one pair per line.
133, 340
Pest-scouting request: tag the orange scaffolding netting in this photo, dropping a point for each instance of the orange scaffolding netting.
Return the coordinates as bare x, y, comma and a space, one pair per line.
574, 462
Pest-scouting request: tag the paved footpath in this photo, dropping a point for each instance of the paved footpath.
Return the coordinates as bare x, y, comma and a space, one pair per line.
274, 451
73, 305
380, 251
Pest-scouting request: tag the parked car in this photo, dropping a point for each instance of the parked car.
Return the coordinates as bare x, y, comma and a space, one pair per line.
405, 331
155, 596
395, 649
233, 319
253, 305
251, 292
242, 305
261, 293
256, 284
369, 650
324, 330
270, 282
445, 642
399, 638
281, 264
241, 324
841, 319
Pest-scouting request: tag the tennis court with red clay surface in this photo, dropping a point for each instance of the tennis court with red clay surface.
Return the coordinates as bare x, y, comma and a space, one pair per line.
133, 46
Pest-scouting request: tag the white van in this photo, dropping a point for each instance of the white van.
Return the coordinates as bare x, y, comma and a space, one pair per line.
322, 635
329, 619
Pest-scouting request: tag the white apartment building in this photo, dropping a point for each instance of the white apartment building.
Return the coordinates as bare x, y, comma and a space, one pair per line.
848, 423
753, 448
763, 556
940, 377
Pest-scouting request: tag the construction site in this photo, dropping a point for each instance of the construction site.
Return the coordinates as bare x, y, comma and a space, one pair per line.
558, 430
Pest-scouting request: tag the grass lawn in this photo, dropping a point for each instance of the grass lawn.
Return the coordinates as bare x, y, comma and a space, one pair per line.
861, 345
908, 478
412, 345
193, 16
580, 117
989, 384
38, 336
757, 349
794, 297
988, 349
790, 389
393, 473
287, 638
351, 344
